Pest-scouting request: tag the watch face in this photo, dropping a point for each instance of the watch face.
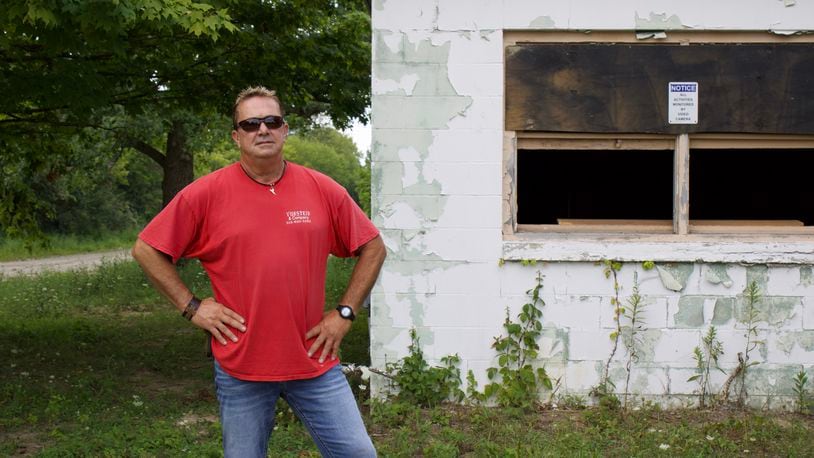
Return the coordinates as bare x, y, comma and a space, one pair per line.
345, 312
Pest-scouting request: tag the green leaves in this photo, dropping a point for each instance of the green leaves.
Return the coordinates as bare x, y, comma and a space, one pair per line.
706, 357
515, 382
68, 63
423, 385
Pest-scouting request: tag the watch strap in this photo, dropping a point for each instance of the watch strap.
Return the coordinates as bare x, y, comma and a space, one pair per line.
346, 312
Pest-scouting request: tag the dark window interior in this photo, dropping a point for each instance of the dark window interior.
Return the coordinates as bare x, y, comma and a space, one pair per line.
588, 184
754, 184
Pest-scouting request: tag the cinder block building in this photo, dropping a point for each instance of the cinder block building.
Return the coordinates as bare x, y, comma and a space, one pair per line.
677, 138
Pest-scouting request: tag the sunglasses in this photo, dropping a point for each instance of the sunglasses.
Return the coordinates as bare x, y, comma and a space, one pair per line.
253, 124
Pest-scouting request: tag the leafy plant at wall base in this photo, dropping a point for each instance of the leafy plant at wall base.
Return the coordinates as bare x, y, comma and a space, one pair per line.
705, 357
800, 392
631, 336
752, 317
472, 388
604, 390
515, 382
421, 384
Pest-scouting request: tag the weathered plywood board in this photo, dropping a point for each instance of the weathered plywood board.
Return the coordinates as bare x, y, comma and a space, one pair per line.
622, 87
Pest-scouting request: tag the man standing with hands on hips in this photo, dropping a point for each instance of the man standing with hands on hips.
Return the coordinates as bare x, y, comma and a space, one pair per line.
263, 229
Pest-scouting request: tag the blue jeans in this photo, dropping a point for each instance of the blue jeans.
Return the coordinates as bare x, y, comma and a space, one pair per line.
324, 404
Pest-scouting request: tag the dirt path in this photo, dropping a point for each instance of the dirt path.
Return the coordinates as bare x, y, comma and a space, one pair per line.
60, 263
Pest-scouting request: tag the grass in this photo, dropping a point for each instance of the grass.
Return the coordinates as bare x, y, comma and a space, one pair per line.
95, 363
58, 245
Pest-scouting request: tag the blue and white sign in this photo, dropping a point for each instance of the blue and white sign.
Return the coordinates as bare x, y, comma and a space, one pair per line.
682, 100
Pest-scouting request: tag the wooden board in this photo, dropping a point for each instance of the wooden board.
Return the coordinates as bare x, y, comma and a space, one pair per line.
609, 87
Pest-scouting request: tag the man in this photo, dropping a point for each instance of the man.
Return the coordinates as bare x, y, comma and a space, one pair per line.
263, 229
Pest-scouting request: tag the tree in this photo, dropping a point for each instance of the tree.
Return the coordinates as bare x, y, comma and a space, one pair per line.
332, 153
152, 72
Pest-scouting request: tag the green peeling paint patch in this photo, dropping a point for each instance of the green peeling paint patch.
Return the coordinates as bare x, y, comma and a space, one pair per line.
423, 51
542, 22
723, 311
674, 276
774, 310
558, 341
428, 208
770, 381
435, 112
430, 79
717, 275
759, 275
647, 345
389, 144
803, 339
690, 312
658, 22
806, 276
416, 250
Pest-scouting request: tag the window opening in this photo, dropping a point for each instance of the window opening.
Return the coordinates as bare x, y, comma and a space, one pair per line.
560, 186
769, 185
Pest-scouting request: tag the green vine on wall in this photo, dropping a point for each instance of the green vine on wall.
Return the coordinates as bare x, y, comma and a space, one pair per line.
604, 390
632, 332
421, 384
515, 382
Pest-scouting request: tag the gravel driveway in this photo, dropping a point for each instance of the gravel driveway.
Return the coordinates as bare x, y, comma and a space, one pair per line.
60, 263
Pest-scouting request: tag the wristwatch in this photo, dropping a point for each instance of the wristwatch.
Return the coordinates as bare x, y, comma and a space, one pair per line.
346, 312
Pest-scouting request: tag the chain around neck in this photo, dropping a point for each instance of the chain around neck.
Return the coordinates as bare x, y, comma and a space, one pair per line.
269, 185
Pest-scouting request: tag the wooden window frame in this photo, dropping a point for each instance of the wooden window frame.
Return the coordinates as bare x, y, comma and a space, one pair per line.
681, 226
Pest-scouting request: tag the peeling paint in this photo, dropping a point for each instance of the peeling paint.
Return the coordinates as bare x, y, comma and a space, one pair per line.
656, 21
656, 35
724, 310
422, 103
803, 339
542, 22
649, 340
690, 312
405, 85
674, 276
554, 344
717, 274
773, 310
769, 382
806, 276
759, 275
416, 79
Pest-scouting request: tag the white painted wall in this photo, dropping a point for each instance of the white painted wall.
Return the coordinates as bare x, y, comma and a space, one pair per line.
437, 119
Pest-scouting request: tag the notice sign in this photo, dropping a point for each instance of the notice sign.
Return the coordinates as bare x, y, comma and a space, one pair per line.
682, 99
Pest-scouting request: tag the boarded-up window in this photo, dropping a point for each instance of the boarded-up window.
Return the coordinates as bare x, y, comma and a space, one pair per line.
595, 149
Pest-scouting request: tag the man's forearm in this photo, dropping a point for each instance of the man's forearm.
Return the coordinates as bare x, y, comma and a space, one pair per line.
162, 274
365, 272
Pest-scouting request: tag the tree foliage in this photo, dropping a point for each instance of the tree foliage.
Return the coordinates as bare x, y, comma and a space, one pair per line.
334, 154
151, 72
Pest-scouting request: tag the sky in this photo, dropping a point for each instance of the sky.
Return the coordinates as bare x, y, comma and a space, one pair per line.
361, 135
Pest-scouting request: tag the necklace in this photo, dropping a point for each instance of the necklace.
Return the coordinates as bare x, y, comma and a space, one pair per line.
270, 185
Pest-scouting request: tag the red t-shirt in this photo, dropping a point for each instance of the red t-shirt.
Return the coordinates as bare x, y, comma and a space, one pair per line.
266, 256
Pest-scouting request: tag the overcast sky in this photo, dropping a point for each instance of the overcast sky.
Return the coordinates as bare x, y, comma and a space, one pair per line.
360, 135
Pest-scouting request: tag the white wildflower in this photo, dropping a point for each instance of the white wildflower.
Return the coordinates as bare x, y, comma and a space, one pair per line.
664, 446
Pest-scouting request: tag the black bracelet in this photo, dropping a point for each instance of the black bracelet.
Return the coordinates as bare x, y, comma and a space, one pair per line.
192, 308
